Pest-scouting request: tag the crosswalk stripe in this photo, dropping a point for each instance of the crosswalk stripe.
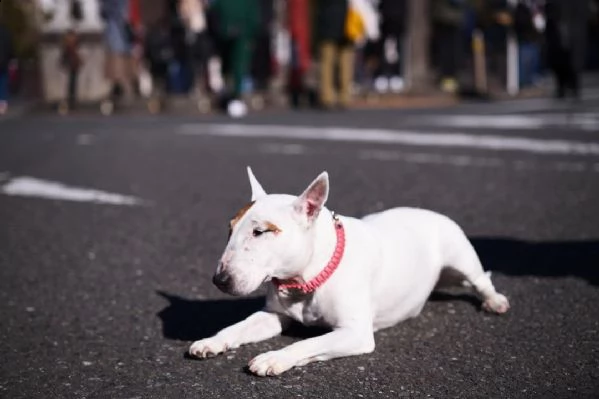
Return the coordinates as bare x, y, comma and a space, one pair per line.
406, 137
31, 187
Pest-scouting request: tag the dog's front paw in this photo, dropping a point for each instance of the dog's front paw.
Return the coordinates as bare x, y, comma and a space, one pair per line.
496, 304
207, 347
271, 363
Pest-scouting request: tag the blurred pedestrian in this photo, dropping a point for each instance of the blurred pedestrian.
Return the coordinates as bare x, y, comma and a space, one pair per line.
528, 44
298, 20
192, 13
158, 54
119, 37
565, 34
334, 47
449, 18
262, 62
341, 24
71, 63
393, 24
6, 55
235, 23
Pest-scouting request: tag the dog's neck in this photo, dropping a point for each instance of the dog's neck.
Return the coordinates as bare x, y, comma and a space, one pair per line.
325, 241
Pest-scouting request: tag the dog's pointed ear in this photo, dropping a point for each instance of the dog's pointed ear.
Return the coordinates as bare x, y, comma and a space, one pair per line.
313, 199
257, 190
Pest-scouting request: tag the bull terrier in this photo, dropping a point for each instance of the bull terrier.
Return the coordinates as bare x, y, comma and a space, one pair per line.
354, 276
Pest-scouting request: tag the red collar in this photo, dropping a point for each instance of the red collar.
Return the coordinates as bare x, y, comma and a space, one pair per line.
326, 273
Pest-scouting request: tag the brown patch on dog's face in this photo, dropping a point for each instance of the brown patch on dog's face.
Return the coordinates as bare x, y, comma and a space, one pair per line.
273, 227
238, 216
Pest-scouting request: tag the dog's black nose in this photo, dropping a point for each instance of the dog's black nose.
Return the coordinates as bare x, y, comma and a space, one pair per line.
222, 280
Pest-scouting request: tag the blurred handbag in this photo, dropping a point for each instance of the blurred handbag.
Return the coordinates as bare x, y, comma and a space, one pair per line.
355, 29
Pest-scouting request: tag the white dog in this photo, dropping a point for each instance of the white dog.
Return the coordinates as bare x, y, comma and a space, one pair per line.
354, 276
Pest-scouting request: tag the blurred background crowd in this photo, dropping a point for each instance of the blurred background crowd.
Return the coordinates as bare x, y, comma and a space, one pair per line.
318, 53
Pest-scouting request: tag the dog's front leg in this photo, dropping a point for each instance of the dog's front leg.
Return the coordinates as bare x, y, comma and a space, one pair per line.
338, 343
257, 327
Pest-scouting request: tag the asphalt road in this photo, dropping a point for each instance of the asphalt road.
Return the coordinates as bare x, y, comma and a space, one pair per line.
102, 301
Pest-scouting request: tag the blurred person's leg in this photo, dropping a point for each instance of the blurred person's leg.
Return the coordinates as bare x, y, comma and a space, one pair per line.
347, 55
261, 62
529, 62
328, 53
449, 50
200, 62
72, 88
561, 73
573, 80
3, 91
241, 59
159, 84
524, 61
294, 81
122, 74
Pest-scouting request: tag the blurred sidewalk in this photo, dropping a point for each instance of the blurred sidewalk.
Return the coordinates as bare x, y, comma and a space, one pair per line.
433, 100
184, 105
20, 107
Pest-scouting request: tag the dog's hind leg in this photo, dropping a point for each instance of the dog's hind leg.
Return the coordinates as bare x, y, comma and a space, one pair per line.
465, 261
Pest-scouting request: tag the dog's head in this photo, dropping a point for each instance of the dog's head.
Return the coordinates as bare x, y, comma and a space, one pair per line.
272, 236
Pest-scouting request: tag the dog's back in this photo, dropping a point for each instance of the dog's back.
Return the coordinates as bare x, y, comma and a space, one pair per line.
416, 244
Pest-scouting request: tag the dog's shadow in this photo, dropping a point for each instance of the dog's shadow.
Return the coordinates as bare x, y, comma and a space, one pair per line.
188, 320
555, 259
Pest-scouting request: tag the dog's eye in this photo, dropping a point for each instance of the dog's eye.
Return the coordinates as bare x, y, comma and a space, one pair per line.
258, 232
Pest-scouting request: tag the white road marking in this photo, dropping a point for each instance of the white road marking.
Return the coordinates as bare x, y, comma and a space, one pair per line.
489, 121
407, 137
583, 121
435, 159
468, 161
32, 187
284, 149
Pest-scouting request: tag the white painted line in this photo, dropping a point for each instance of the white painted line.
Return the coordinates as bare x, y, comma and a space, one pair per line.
470, 161
32, 187
583, 121
490, 121
284, 149
463, 140
435, 159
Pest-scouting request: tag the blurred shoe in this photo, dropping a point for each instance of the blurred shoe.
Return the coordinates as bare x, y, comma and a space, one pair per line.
204, 105
397, 84
154, 106
63, 108
381, 84
107, 107
3, 107
257, 102
449, 85
237, 109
